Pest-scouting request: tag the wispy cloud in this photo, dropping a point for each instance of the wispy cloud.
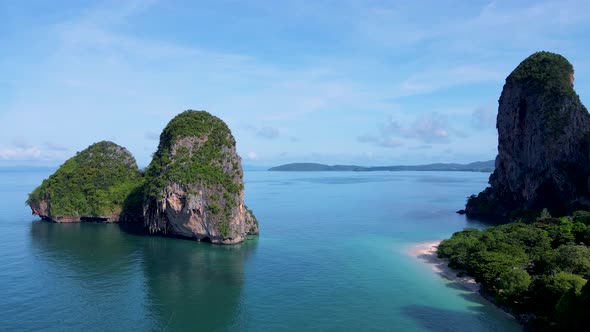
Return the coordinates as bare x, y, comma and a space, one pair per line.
484, 117
268, 133
21, 143
31, 153
440, 78
320, 85
56, 147
430, 128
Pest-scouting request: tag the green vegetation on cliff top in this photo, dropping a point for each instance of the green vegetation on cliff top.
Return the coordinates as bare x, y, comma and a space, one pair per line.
545, 72
205, 166
539, 267
97, 181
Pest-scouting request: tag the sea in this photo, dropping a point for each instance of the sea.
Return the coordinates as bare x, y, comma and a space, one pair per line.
332, 255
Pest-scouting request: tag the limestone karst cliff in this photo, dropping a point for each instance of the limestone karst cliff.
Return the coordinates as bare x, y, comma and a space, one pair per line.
100, 183
193, 187
194, 184
543, 150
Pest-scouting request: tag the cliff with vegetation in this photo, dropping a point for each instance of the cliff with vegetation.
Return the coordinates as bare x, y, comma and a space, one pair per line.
543, 151
100, 183
194, 184
537, 267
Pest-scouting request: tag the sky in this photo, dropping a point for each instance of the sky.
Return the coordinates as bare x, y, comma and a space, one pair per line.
337, 82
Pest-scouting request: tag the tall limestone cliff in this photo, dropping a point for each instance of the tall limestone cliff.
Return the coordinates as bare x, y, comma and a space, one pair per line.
543, 150
100, 183
194, 184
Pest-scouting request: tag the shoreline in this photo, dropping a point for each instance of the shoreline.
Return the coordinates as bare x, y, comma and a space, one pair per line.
426, 253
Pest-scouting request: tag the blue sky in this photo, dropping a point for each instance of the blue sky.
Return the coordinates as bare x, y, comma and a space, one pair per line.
338, 82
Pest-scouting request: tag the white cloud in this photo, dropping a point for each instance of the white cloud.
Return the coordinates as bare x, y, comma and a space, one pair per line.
429, 128
31, 153
97, 71
252, 155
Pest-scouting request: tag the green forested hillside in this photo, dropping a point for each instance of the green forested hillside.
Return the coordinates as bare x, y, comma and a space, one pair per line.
97, 181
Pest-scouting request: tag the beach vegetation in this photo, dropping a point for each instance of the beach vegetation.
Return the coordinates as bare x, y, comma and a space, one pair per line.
538, 268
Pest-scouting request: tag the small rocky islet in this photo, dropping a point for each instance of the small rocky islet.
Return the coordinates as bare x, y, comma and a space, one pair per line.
193, 187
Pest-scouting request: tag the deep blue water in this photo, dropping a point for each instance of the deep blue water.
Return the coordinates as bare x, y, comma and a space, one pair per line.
331, 257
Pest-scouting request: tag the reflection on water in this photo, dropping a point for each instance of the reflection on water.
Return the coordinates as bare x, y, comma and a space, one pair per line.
194, 286
91, 244
159, 283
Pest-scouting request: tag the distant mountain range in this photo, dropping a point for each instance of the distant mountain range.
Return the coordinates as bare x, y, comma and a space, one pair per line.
478, 166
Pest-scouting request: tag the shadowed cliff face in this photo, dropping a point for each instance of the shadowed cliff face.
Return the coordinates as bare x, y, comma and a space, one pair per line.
543, 150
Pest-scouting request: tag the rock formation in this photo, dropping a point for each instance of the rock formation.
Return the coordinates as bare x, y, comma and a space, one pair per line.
194, 185
101, 183
543, 150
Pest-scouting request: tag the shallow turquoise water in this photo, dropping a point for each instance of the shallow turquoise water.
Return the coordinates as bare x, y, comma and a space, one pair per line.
331, 257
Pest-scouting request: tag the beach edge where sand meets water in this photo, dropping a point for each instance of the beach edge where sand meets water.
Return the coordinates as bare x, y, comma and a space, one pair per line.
425, 252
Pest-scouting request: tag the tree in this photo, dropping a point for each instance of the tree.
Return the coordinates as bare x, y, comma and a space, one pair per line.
573, 259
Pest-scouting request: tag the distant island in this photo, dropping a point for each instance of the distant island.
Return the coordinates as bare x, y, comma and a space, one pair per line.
478, 166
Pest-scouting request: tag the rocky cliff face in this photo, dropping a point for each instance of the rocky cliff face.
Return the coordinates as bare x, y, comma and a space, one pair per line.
194, 184
98, 184
543, 151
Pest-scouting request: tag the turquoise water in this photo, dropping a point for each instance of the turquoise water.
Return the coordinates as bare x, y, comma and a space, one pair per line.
331, 257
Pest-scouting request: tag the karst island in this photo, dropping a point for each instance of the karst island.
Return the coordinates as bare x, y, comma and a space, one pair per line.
193, 188
536, 265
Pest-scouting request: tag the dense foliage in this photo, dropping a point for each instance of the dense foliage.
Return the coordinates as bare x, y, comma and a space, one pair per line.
537, 268
545, 72
183, 166
98, 181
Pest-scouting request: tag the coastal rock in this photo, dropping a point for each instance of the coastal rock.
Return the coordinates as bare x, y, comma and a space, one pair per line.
194, 184
99, 183
543, 150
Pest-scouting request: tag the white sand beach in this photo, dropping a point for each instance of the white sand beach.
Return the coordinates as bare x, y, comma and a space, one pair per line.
426, 252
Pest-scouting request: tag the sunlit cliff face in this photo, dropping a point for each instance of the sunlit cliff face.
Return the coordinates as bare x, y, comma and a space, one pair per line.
572, 79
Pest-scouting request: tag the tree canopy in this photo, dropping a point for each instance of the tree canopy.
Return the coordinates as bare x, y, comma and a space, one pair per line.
539, 267
95, 182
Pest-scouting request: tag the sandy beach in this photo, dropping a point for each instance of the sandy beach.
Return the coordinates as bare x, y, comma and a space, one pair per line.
426, 252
